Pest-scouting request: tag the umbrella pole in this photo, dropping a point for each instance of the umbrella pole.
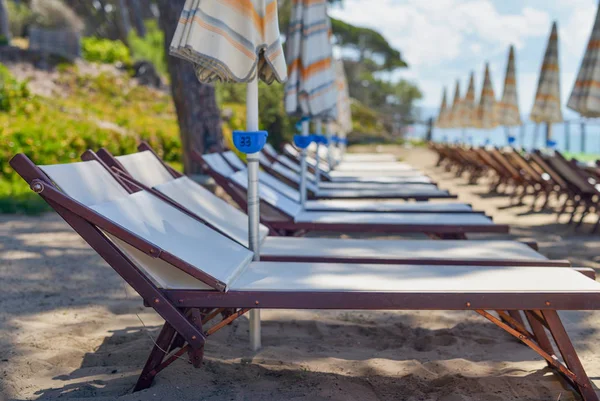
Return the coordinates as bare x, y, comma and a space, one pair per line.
319, 131
329, 147
305, 127
253, 202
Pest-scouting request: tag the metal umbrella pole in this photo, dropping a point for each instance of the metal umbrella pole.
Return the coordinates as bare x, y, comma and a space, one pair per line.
251, 142
303, 178
319, 132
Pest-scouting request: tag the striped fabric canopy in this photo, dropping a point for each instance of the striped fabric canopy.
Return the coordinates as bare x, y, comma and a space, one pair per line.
311, 89
547, 98
231, 41
344, 113
508, 108
585, 98
469, 106
486, 112
454, 117
442, 120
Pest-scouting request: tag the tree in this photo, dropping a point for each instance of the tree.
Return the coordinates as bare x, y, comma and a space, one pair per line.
4, 24
123, 21
197, 111
137, 17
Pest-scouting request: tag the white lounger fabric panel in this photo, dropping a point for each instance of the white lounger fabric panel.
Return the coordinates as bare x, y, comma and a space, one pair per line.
175, 232
393, 249
295, 177
394, 218
218, 164
405, 191
269, 276
211, 208
269, 195
395, 166
145, 168
417, 179
88, 183
161, 273
354, 174
351, 205
234, 160
368, 157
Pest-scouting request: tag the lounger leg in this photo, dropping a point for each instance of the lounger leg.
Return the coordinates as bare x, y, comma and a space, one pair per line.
156, 356
255, 338
196, 355
595, 229
540, 334
561, 338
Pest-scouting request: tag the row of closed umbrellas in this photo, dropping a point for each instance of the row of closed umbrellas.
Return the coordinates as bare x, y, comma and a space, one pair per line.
489, 113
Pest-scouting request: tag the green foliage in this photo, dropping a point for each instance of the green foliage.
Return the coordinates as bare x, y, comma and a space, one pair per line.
11, 92
19, 17
369, 41
151, 47
365, 123
583, 157
105, 51
102, 111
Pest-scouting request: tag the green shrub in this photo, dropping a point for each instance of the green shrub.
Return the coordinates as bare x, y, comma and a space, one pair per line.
105, 51
11, 91
151, 47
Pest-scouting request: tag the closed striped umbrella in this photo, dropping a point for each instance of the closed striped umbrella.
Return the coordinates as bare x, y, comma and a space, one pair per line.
585, 98
310, 90
444, 113
508, 109
546, 108
454, 117
231, 41
469, 107
487, 117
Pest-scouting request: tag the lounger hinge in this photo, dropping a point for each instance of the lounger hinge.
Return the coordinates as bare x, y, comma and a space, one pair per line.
155, 252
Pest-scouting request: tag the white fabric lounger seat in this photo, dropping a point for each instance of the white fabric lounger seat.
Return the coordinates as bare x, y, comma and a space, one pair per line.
433, 219
296, 178
322, 277
350, 205
398, 249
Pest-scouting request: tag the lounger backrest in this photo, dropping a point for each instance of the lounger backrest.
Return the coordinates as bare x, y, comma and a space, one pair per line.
269, 195
567, 171
203, 203
263, 159
158, 223
279, 186
88, 183
145, 168
218, 164
233, 160
270, 150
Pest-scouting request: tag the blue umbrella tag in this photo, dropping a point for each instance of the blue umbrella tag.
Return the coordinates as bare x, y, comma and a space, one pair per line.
249, 141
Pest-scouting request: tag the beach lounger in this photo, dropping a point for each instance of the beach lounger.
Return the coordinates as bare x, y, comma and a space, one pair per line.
286, 215
291, 178
416, 191
224, 170
337, 176
149, 174
199, 281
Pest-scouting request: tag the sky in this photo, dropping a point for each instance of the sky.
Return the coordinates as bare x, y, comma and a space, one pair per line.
444, 40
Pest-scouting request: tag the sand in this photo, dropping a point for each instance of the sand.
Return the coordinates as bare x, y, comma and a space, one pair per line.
71, 329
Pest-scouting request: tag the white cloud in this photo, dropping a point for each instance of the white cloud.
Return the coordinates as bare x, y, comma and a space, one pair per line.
434, 32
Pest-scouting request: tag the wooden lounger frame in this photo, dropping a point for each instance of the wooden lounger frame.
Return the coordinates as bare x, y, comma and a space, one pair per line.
188, 313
